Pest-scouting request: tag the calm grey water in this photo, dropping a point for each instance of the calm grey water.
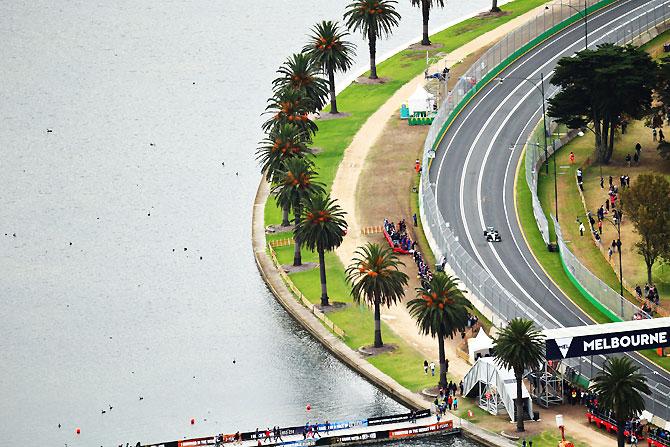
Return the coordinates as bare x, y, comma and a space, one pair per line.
103, 223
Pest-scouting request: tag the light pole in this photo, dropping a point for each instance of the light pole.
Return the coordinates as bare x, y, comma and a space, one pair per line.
539, 86
617, 227
586, 22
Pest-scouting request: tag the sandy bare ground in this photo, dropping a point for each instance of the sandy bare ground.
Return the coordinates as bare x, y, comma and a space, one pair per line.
374, 181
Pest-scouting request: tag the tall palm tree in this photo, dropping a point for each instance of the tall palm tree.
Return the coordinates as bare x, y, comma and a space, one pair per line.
296, 182
375, 278
290, 106
374, 19
494, 6
321, 228
425, 10
327, 47
301, 72
618, 387
519, 346
440, 310
284, 141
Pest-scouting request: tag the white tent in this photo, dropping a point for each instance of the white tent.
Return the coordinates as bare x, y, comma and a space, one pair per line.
481, 345
420, 101
494, 387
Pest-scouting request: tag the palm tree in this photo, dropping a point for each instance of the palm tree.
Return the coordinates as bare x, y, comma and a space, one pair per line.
375, 278
494, 6
328, 48
519, 346
296, 183
290, 106
425, 10
321, 228
302, 73
374, 19
441, 310
618, 387
284, 141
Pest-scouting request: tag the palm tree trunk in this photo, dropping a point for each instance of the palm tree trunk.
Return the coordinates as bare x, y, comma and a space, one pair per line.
333, 98
378, 325
519, 403
494, 6
372, 43
322, 272
443, 362
620, 437
297, 255
425, 9
284, 219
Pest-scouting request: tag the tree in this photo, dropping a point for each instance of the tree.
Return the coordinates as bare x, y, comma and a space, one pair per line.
440, 310
321, 228
519, 346
302, 73
284, 141
599, 86
290, 106
662, 89
425, 11
645, 203
296, 183
331, 52
374, 19
494, 6
375, 278
618, 387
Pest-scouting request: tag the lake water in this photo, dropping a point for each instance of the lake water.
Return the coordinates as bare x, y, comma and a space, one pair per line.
126, 268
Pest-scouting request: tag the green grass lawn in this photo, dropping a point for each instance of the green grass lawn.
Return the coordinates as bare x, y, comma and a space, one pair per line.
362, 100
551, 438
405, 364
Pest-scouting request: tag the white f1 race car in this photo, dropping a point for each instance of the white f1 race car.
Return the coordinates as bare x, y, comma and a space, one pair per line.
491, 235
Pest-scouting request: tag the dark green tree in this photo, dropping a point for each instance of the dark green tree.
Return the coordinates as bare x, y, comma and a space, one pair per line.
519, 346
619, 387
321, 228
296, 182
662, 89
290, 106
598, 87
375, 279
329, 49
374, 19
645, 203
302, 73
284, 142
440, 310
426, 5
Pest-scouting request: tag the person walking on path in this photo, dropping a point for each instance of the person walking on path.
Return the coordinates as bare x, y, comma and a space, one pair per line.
661, 137
653, 134
638, 149
600, 226
414, 219
628, 159
581, 229
425, 367
609, 254
417, 166
432, 368
572, 158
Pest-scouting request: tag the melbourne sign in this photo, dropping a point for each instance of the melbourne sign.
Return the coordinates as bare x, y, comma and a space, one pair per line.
594, 344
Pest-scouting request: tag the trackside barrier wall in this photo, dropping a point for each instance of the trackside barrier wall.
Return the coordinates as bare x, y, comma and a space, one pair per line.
494, 301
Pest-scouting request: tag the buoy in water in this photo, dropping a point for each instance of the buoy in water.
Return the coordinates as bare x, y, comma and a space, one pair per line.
308, 407
78, 430
192, 421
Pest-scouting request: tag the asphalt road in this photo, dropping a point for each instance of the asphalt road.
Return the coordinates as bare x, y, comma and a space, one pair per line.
474, 173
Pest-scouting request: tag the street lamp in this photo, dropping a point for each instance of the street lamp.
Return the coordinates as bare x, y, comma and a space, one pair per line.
586, 23
540, 88
617, 227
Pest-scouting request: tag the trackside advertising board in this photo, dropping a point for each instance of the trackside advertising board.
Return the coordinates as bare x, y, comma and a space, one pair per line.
607, 343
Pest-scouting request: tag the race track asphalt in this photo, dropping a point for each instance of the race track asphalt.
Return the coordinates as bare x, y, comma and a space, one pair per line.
475, 168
